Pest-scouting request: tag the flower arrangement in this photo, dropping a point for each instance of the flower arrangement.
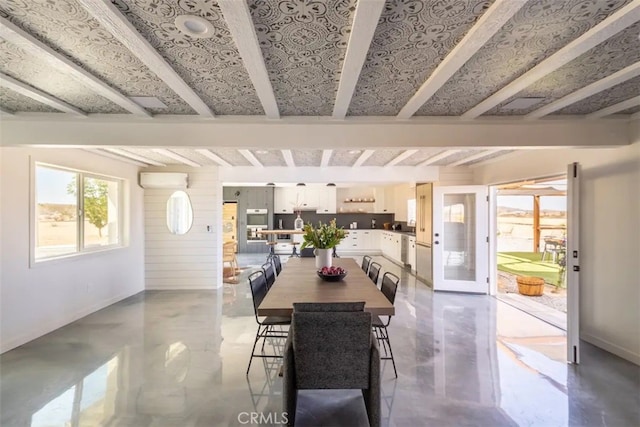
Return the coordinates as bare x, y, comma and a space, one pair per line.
325, 236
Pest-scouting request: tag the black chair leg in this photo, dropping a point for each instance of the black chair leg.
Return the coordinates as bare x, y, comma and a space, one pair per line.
255, 342
393, 361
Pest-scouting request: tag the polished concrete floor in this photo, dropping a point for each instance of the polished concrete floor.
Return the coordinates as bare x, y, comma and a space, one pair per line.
178, 358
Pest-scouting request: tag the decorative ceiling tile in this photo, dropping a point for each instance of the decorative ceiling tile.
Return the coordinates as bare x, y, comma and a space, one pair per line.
29, 69
601, 100
68, 28
307, 157
270, 158
13, 101
231, 156
195, 156
455, 157
605, 59
303, 43
411, 39
631, 110
537, 31
382, 157
151, 155
344, 157
212, 67
419, 157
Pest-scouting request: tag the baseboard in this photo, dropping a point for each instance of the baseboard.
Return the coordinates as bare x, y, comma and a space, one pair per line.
181, 288
69, 318
611, 348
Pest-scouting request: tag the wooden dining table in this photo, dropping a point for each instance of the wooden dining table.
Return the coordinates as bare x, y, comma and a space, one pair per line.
298, 282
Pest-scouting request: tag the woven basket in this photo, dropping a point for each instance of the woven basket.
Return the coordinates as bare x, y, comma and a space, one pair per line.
531, 286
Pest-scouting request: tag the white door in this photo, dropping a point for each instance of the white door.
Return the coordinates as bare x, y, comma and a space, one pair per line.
460, 239
572, 262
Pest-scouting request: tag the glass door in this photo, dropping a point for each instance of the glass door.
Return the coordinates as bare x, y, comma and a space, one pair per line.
460, 239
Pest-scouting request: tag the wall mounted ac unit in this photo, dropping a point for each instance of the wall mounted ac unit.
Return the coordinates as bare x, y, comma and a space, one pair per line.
164, 180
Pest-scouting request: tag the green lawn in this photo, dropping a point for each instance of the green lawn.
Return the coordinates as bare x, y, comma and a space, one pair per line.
529, 264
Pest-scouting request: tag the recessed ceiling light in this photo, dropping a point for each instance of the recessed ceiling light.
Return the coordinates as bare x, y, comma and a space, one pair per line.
261, 152
354, 151
194, 26
522, 103
148, 101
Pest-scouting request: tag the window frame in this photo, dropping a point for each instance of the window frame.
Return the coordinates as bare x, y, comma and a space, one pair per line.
81, 250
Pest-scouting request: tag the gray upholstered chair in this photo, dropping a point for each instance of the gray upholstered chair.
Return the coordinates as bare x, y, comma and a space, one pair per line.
330, 346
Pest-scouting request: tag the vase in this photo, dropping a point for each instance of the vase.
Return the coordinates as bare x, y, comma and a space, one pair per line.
323, 257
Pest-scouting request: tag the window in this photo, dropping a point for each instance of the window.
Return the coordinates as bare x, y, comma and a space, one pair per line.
74, 212
411, 212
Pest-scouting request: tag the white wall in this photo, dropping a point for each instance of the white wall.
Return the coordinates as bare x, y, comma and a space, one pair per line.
38, 300
609, 233
192, 260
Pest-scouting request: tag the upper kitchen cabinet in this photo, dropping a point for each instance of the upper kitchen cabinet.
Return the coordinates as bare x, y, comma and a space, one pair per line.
327, 200
285, 199
424, 203
320, 199
383, 200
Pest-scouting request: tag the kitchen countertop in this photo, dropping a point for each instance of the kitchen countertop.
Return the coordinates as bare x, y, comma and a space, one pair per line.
408, 233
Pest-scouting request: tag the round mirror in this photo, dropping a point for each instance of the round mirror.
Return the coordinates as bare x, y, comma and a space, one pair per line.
179, 213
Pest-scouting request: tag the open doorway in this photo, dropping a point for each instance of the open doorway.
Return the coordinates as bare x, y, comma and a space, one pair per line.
531, 247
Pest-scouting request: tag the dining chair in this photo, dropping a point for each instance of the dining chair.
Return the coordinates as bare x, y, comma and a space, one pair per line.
277, 263
229, 257
320, 356
374, 272
388, 288
258, 285
366, 260
269, 274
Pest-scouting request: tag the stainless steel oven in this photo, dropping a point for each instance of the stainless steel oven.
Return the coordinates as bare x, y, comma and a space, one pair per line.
257, 220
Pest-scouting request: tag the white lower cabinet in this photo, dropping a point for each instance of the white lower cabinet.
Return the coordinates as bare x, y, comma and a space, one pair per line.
360, 241
412, 253
391, 245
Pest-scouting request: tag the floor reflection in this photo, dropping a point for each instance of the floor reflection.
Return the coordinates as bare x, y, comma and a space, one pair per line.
179, 358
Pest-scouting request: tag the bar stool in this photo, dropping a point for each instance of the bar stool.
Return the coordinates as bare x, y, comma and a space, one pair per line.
272, 250
295, 250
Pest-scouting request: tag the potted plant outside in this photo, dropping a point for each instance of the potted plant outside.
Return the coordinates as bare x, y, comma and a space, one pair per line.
323, 239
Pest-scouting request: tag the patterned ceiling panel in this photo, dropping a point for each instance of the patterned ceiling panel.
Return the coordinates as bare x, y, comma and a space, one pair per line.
343, 158
382, 157
411, 39
13, 101
68, 28
28, 69
631, 110
538, 30
455, 157
616, 94
307, 157
419, 157
212, 67
149, 154
195, 156
270, 158
490, 157
607, 58
231, 156
303, 43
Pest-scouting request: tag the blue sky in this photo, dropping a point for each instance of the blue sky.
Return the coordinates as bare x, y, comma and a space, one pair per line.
51, 186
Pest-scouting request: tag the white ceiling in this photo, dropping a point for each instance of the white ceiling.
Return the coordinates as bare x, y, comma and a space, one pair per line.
341, 60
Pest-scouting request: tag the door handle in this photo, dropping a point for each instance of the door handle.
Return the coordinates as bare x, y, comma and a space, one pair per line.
436, 242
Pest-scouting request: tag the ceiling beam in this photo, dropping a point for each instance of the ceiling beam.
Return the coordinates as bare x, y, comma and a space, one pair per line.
238, 18
612, 109
401, 157
485, 28
635, 116
615, 23
363, 157
119, 26
251, 158
104, 153
473, 157
616, 78
38, 95
326, 156
288, 158
176, 156
365, 22
5, 112
431, 160
27, 42
219, 160
124, 153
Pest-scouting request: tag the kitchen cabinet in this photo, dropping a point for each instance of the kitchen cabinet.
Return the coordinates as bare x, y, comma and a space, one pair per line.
424, 203
326, 200
285, 199
360, 241
383, 200
391, 246
412, 253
